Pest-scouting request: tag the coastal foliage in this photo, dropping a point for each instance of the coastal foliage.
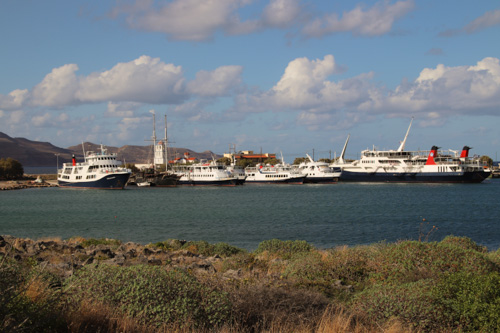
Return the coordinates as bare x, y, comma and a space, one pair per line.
406, 286
10, 169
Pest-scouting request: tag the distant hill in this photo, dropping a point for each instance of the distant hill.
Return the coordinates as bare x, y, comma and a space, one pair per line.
37, 154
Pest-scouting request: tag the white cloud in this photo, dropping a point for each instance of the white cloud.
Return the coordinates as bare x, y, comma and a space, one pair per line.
281, 13
193, 20
374, 21
457, 90
57, 88
145, 80
14, 100
220, 82
200, 20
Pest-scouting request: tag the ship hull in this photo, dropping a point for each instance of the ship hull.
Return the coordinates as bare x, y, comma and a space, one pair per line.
229, 182
427, 177
320, 180
115, 181
297, 181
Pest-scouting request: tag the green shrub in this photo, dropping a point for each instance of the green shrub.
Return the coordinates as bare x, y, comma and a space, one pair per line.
471, 301
464, 242
100, 241
284, 249
151, 295
410, 261
206, 249
28, 301
411, 303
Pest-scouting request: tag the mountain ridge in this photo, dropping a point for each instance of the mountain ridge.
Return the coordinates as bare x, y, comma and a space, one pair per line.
40, 154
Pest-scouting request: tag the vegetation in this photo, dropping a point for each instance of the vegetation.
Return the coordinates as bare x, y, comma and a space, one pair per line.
299, 160
486, 160
10, 169
132, 167
224, 161
407, 286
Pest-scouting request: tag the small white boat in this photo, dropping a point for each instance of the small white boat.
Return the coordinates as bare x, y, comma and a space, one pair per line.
144, 184
318, 172
204, 174
273, 174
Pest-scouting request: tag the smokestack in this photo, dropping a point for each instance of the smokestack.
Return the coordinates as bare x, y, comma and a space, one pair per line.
465, 152
73, 159
432, 154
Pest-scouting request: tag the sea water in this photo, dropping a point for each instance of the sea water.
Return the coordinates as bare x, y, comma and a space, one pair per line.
323, 215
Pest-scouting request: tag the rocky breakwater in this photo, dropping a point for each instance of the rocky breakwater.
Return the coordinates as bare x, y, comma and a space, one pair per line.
63, 257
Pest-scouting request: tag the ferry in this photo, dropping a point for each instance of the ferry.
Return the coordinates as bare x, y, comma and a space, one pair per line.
273, 174
100, 170
318, 172
432, 166
204, 174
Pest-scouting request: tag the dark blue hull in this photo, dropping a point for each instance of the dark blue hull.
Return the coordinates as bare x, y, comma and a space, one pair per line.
466, 177
110, 182
286, 181
320, 180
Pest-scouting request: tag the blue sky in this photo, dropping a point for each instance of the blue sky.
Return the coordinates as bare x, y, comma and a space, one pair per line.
284, 76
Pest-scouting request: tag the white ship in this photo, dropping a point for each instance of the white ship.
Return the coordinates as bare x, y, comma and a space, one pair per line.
273, 174
432, 166
100, 170
204, 174
318, 172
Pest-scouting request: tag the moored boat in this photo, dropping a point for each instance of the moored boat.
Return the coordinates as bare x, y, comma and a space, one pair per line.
100, 170
318, 172
432, 166
204, 174
273, 174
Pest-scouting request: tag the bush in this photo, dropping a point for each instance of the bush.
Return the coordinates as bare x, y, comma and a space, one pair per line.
410, 261
465, 243
284, 249
206, 249
471, 301
151, 295
411, 303
10, 169
100, 241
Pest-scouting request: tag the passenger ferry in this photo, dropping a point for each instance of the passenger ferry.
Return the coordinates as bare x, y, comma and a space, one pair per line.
413, 166
204, 174
100, 170
273, 174
318, 172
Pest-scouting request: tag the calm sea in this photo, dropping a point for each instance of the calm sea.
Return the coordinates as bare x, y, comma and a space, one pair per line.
324, 215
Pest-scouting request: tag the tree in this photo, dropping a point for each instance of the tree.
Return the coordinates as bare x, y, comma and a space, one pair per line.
244, 162
326, 160
10, 169
224, 160
132, 167
487, 160
299, 160
272, 161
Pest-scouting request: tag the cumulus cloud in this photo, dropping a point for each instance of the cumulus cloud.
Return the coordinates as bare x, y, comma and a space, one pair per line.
143, 80
220, 82
58, 88
457, 90
308, 90
374, 21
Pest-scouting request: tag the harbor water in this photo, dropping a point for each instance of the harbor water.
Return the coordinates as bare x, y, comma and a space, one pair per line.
323, 215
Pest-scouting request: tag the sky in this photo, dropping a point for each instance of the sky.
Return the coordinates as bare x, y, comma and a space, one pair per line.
280, 76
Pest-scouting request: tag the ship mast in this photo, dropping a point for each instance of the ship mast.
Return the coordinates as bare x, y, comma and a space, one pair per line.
402, 146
